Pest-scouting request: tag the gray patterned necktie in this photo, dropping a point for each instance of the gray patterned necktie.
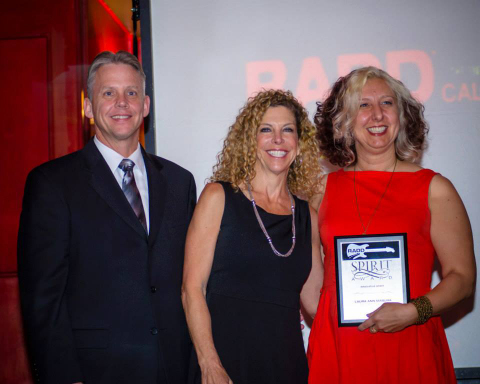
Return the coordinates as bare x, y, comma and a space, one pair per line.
129, 188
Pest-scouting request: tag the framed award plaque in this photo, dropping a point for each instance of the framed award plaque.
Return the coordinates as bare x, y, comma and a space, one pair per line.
370, 270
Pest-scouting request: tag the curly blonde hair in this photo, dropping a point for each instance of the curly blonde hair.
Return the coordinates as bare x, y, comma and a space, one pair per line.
236, 161
336, 116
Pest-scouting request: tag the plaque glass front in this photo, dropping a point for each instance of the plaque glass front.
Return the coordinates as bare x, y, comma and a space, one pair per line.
370, 270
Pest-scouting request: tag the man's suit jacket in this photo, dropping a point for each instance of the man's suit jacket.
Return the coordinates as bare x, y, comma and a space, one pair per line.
101, 300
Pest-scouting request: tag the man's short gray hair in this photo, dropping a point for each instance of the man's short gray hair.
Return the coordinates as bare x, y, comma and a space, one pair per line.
107, 57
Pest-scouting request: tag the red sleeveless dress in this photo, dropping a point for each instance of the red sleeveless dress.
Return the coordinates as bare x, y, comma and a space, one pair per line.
419, 353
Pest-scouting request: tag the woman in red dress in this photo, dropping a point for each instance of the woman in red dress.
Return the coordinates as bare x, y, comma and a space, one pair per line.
372, 127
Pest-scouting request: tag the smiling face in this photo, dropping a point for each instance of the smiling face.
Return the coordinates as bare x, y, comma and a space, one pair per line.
377, 122
277, 141
118, 106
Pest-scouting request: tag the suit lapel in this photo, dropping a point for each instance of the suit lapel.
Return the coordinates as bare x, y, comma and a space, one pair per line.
157, 192
105, 184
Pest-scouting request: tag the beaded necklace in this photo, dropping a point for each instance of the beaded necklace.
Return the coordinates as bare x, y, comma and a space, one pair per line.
259, 219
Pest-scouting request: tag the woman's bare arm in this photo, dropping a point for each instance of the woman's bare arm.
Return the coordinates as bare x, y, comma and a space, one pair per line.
452, 239
311, 289
199, 250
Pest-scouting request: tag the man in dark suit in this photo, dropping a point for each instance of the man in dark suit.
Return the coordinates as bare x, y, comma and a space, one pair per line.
100, 247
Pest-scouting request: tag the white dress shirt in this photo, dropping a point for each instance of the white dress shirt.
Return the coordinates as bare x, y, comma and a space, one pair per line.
113, 160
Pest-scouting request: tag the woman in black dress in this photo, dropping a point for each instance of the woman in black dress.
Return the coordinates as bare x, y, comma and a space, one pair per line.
252, 250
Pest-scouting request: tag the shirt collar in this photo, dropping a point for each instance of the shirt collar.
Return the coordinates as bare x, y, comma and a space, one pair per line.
113, 158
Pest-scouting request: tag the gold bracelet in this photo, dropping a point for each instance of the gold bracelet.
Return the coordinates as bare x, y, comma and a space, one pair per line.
424, 309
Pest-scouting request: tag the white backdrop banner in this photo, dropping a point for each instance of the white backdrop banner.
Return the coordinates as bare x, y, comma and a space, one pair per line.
209, 56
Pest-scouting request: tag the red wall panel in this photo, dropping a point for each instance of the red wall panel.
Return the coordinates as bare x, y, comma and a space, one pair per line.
14, 363
105, 31
60, 23
24, 140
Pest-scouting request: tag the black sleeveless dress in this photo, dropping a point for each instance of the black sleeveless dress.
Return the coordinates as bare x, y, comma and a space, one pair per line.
254, 296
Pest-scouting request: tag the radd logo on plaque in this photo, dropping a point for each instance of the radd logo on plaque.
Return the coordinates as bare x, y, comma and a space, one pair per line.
371, 270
